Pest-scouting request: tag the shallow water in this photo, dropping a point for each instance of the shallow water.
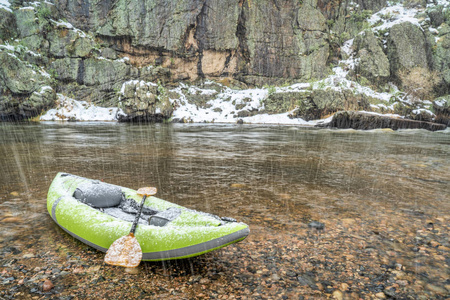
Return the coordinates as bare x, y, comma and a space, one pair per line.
275, 178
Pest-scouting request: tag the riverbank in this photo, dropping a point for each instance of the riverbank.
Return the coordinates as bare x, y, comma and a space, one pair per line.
388, 58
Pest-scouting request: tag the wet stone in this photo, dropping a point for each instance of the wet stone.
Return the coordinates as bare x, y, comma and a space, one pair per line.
436, 289
306, 280
47, 286
132, 271
316, 225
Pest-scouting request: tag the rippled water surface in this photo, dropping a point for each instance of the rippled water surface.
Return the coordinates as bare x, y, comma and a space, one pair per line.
276, 178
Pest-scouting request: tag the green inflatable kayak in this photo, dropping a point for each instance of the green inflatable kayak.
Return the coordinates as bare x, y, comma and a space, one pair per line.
99, 213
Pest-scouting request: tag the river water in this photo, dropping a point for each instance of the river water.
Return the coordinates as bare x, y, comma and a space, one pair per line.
383, 190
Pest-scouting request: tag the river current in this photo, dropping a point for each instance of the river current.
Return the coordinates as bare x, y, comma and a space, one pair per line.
277, 178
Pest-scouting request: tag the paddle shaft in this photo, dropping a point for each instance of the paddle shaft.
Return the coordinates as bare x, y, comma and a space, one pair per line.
138, 215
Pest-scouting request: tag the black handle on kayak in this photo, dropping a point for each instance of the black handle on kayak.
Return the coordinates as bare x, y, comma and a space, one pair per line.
138, 215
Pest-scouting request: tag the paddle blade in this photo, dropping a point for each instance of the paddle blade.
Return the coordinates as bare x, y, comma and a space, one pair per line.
147, 191
124, 252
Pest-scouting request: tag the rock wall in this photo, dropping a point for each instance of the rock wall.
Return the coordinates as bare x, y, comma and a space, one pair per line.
106, 43
254, 40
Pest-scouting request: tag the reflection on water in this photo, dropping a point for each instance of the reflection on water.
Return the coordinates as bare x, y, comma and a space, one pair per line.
274, 177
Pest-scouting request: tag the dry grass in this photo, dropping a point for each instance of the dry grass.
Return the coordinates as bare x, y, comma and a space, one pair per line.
419, 82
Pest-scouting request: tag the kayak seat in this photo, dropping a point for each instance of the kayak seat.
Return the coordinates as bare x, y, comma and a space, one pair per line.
98, 194
131, 206
162, 218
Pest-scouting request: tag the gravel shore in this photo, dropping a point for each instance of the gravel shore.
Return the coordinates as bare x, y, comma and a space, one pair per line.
350, 258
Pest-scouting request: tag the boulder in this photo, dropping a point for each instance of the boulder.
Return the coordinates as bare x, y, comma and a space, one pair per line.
68, 43
24, 91
406, 48
436, 15
281, 102
328, 100
108, 53
105, 74
441, 107
27, 23
36, 43
144, 101
37, 102
66, 69
373, 63
367, 121
441, 54
8, 27
18, 77
92, 79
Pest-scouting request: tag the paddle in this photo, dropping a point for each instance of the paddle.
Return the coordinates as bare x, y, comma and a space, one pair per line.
126, 251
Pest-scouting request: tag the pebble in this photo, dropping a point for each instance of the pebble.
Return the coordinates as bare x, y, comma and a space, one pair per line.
338, 295
28, 255
93, 269
204, 281
275, 277
132, 271
12, 220
344, 287
436, 289
316, 225
47, 286
402, 282
380, 295
347, 222
15, 194
78, 270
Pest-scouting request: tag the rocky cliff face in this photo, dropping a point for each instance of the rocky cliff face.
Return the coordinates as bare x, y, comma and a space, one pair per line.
103, 44
255, 41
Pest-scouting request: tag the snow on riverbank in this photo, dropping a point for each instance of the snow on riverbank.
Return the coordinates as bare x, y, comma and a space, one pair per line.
220, 109
73, 110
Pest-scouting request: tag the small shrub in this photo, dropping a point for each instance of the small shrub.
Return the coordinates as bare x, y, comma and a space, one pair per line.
44, 13
419, 82
270, 89
361, 16
414, 3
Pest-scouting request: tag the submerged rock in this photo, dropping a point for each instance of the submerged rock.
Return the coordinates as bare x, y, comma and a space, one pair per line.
316, 225
47, 286
366, 121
